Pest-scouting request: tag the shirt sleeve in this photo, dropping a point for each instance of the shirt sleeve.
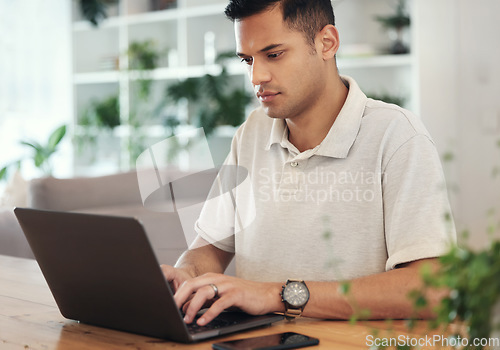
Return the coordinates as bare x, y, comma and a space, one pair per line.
417, 213
216, 223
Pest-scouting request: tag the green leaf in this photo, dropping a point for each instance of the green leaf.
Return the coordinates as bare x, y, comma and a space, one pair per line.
421, 302
404, 347
495, 172
465, 234
39, 159
411, 323
189, 88
107, 112
448, 157
35, 145
344, 288
56, 137
398, 20
365, 313
224, 56
353, 319
143, 55
387, 97
3, 173
93, 10
327, 235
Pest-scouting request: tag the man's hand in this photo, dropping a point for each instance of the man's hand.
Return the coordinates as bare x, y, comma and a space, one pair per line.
175, 276
255, 298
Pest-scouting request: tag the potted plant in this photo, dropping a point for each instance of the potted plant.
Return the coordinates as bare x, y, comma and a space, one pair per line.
103, 113
218, 103
95, 11
143, 57
41, 153
472, 277
100, 115
396, 22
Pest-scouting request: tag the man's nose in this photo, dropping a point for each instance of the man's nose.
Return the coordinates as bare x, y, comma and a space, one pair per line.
259, 73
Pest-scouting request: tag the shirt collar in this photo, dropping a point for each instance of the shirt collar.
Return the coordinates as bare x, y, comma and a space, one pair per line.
343, 132
279, 133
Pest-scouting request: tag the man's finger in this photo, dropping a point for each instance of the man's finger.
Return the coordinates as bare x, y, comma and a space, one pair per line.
199, 299
216, 308
191, 286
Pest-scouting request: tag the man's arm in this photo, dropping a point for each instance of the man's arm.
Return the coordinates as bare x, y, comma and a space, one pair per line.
384, 294
199, 259
203, 257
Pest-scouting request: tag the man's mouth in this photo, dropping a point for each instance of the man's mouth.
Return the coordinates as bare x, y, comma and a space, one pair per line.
267, 96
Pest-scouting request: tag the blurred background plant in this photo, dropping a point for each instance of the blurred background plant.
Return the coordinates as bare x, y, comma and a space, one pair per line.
218, 103
41, 154
387, 97
472, 277
144, 57
399, 20
95, 11
100, 115
103, 113
210, 101
395, 24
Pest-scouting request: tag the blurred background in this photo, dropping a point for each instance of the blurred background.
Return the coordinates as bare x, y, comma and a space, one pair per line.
86, 86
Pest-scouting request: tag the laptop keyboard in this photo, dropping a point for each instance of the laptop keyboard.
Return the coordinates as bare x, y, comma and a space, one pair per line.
216, 323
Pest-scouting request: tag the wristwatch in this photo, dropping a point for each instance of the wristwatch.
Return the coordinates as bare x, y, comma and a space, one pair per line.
295, 296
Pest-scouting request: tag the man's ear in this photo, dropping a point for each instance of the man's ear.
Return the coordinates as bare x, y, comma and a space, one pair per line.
328, 41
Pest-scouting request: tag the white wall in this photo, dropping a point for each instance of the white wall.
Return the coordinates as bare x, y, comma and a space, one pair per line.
479, 105
35, 83
460, 101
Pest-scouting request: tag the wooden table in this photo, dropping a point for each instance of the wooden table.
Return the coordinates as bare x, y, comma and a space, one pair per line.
29, 319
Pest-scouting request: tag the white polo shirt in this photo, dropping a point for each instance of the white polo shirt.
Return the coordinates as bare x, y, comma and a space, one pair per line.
371, 196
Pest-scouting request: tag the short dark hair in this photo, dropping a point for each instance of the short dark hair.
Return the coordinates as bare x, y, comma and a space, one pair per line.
307, 16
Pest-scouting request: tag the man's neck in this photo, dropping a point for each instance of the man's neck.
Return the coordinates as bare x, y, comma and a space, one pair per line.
308, 131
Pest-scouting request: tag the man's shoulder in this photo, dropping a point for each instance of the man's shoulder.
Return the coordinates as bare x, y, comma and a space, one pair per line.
393, 118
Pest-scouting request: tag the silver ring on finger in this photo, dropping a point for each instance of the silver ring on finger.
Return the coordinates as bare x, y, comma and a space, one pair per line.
216, 290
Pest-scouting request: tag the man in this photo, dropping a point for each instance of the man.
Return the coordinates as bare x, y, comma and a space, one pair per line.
345, 187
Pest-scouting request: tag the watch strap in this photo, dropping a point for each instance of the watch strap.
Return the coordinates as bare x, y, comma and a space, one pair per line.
291, 313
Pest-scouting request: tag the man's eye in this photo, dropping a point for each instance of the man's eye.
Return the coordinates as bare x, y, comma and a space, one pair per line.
247, 60
274, 55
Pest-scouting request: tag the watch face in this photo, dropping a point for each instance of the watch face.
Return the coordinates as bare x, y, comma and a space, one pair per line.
296, 294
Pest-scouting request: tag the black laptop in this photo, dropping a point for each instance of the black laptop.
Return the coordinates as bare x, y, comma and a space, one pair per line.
102, 271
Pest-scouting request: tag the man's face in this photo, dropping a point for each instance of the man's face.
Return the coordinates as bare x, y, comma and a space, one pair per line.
286, 71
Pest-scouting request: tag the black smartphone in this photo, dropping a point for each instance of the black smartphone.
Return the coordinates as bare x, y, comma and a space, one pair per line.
288, 340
